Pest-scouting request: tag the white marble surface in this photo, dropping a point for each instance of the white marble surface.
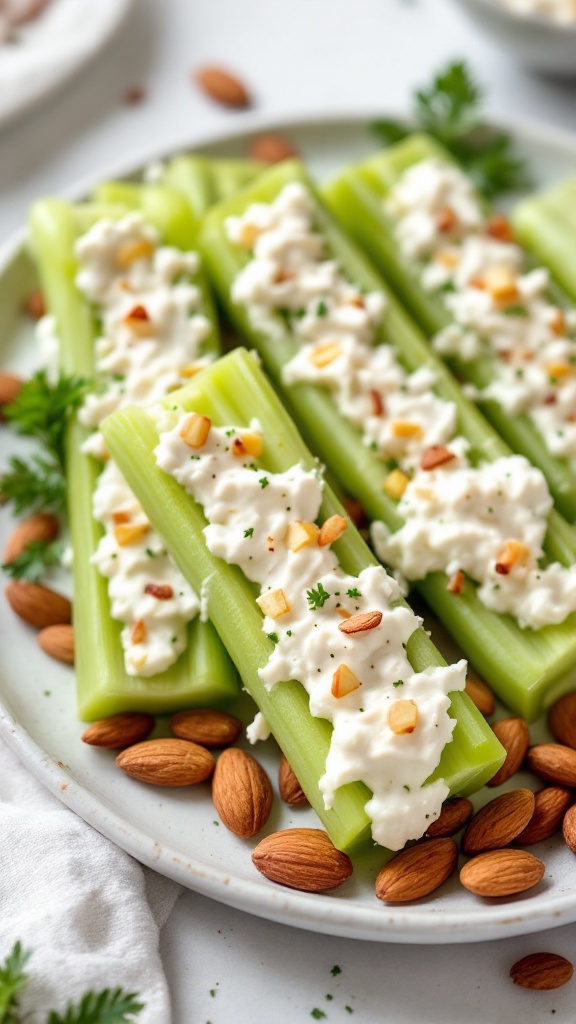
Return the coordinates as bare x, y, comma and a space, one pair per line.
297, 56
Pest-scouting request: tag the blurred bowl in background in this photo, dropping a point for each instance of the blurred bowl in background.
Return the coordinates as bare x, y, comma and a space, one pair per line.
536, 40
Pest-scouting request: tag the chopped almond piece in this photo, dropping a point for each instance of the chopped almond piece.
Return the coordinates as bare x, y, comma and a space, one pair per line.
161, 591
195, 431
357, 301
436, 455
129, 252
558, 369
558, 323
360, 623
401, 428
446, 220
325, 354
284, 275
513, 553
248, 235
395, 484
447, 258
376, 402
344, 682
190, 370
499, 227
120, 517
301, 535
456, 582
501, 283
130, 533
331, 530
138, 635
343, 613
248, 444
273, 603
138, 321
403, 717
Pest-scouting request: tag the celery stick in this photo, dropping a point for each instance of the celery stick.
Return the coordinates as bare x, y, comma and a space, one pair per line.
546, 224
357, 198
525, 668
233, 390
204, 672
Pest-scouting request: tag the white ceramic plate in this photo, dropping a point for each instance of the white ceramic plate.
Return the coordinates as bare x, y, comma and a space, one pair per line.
175, 832
53, 47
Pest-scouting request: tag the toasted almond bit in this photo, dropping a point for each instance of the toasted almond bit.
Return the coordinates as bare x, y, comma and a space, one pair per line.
39, 606
284, 275
542, 972
499, 227
331, 530
242, 793
190, 370
557, 323
161, 591
456, 582
207, 727
360, 623
553, 762
436, 455
291, 791
119, 730
138, 321
223, 87
129, 252
569, 828
273, 603
302, 858
558, 370
562, 720
499, 822
195, 430
376, 402
501, 283
120, 517
138, 634
167, 762
301, 535
550, 807
447, 258
417, 871
130, 533
403, 717
248, 444
356, 300
271, 148
400, 428
343, 613
395, 484
323, 355
513, 553
454, 815
40, 527
344, 682
58, 642
446, 220
514, 736
502, 873
10, 387
480, 695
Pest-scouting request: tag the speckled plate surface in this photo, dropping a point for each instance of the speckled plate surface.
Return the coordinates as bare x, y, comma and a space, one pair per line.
175, 832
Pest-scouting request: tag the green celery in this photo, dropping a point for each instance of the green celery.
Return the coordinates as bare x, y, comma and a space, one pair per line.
357, 198
232, 391
204, 672
546, 224
526, 668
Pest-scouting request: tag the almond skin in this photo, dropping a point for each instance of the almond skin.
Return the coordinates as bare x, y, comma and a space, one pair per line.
271, 148
541, 971
302, 858
10, 388
37, 605
514, 736
119, 730
562, 720
550, 807
242, 793
553, 762
167, 762
417, 871
291, 791
499, 822
454, 815
223, 87
41, 527
569, 828
58, 642
502, 873
481, 695
206, 727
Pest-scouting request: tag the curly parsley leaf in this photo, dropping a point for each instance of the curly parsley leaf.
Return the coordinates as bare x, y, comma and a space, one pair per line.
42, 409
112, 1006
13, 979
317, 597
35, 485
450, 110
32, 564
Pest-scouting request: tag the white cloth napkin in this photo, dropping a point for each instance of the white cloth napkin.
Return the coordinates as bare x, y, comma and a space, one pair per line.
90, 913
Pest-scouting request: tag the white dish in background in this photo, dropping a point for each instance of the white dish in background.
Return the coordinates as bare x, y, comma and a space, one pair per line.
532, 39
174, 831
51, 48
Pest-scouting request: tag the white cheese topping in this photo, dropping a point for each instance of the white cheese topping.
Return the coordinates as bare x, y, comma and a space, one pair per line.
561, 11
152, 332
459, 517
251, 513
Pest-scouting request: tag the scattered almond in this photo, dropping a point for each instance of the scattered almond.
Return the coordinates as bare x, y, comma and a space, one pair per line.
344, 681
40, 527
446, 220
10, 388
499, 227
271, 148
360, 623
248, 444
401, 428
161, 591
332, 530
515, 738
291, 791
499, 822
195, 431
553, 762
167, 762
434, 456
541, 971
417, 871
457, 582
550, 807
453, 816
223, 87
513, 553
129, 252
324, 354
139, 632
207, 727
119, 730
273, 603
562, 720
480, 695
301, 535
34, 305
502, 873
302, 858
569, 828
39, 606
403, 717
242, 793
130, 533
58, 642
395, 484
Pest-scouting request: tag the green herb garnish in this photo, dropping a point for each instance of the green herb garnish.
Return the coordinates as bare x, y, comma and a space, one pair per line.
42, 409
249, 532
34, 485
37, 557
273, 637
263, 481
353, 592
317, 597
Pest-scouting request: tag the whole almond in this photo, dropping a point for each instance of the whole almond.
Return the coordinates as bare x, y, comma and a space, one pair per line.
271, 148
223, 87
302, 858
167, 762
37, 605
417, 871
550, 807
453, 816
562, 720
10, 388
40, 527
119, 730
553, 762
481, 695
541, 971
502, 873
290, 789
514, 736
242, 793
499, 822
58, 642
206, 727
569, 828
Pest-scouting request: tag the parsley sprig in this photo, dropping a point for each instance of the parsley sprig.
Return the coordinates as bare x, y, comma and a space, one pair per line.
317, 597
450, 110
37, 557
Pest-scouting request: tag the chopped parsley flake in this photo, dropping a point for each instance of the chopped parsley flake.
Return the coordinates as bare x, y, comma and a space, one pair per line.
317, 1014
273, 637
249, 533
263, 481
230, 433
349, 1009
288, 632
321, 309
317, 597
353, 592
399, 682
516, 311
335, 970
150, 553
